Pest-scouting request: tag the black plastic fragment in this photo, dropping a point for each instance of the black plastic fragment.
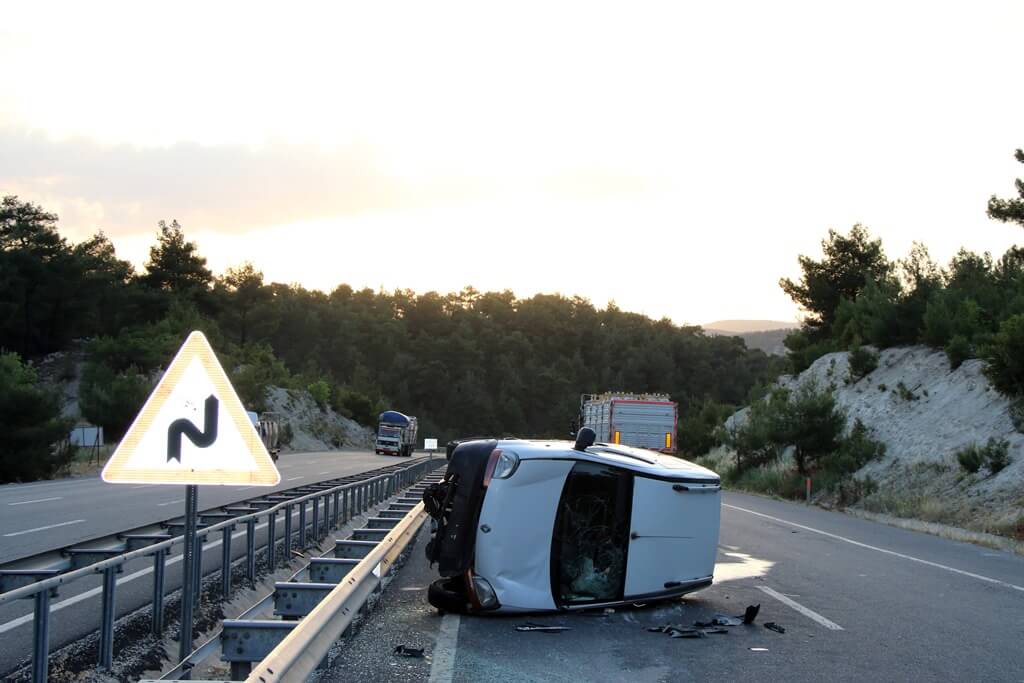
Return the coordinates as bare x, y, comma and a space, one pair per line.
751, 614
772, 626
406, 651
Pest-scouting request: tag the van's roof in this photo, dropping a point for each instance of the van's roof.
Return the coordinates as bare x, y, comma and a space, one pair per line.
635, 459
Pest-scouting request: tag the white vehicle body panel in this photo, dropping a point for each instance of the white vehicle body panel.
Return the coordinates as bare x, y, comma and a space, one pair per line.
515, 555
674, 535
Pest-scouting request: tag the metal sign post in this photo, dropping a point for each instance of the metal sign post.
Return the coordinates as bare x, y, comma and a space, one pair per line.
189, 572
430, 445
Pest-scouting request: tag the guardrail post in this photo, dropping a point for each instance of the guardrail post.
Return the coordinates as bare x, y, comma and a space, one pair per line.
159, 564
240, 670
287, 534
225, 561
316, 519
250, 550
272, 540
41, 636
336, 508
326, 516
107, 618
302, 525
198, 572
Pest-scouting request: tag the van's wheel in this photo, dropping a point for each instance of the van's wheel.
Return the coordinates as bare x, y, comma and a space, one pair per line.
449, 595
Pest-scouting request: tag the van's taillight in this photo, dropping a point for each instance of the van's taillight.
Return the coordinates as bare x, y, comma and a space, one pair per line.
501, 465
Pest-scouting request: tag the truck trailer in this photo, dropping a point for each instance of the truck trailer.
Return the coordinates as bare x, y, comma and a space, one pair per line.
639, 420
396, 434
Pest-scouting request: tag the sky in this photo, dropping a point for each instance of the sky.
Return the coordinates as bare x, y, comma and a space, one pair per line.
673, 157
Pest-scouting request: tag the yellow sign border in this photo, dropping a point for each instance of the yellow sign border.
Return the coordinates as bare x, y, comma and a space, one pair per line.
196, 347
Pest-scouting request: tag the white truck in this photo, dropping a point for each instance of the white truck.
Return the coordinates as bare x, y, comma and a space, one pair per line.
639, 420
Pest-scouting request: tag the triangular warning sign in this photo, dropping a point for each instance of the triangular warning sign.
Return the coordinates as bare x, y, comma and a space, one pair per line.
192, 430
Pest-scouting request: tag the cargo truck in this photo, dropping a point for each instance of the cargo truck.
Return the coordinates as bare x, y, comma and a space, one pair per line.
396, 434
639, 420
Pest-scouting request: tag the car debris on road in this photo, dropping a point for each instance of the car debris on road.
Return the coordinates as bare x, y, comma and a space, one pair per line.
529, 626
406, 651
772, 626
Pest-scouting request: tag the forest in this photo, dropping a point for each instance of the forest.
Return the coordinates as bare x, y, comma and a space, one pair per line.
466, 362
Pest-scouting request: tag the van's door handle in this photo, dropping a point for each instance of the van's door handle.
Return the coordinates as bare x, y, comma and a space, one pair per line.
683, 488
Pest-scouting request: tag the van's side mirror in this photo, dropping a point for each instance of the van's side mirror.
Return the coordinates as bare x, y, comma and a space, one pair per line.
585, 438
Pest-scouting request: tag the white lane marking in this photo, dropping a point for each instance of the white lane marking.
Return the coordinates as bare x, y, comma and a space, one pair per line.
327, 472
807, 612
93, 592
44, 528
171, 502
972, 575
144, 486
293, 478
37, 500
442, 668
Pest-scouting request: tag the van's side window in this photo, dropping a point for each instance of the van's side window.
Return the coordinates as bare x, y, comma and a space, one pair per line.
591, 538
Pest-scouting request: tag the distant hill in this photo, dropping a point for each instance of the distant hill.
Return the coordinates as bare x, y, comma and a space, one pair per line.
766, 335
739, 327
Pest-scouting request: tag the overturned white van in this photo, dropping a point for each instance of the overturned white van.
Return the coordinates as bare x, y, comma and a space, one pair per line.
527, 526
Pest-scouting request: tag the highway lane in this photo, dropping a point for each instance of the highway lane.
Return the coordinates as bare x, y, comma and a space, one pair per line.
859, 600
41, 516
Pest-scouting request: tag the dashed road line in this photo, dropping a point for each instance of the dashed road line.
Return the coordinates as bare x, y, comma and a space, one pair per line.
37, 500
911, 558
293, 478
442, 668
43, 528
171, 502
806, 611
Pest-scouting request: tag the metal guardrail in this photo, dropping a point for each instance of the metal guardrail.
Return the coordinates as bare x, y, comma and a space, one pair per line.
338, 503
307, 644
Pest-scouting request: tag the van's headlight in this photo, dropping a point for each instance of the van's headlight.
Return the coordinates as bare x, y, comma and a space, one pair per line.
485, 595
501, 465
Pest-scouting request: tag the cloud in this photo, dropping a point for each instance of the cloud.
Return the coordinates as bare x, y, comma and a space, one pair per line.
126, 189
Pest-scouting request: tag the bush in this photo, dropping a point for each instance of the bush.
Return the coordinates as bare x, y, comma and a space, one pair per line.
287, 434
904, 393
1017, 414
320, 390
970, 458
996, 454
699, 427
803, 349
33, 441
863, 361
357, 406
112, 399
1006, 357
958, 350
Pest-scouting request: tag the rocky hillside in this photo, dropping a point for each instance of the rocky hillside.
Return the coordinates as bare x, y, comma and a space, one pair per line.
925, 413
314, 428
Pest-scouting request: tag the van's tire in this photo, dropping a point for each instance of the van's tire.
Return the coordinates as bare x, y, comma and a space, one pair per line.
449, 595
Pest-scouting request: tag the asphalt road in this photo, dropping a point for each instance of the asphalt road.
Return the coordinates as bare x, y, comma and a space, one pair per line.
110, 508
858, 600
55, 514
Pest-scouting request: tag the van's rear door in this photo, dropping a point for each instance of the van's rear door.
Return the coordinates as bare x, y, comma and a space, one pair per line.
673, 534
